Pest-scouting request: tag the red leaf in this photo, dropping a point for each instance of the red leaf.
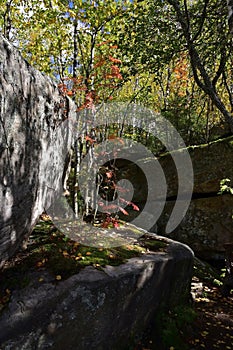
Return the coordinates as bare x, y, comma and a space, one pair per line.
110, 206
123, 190
112, 137
105, 224
123, 211
115, 223
99, 64
109, 174
135, 207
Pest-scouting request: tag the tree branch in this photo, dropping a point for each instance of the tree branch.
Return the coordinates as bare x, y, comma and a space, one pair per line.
222, 64
203, 17
230, 95
198, 67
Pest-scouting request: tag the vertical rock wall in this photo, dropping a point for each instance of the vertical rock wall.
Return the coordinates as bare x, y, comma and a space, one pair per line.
33, 144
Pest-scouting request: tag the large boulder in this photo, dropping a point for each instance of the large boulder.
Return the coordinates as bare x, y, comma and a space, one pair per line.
208, 223
211, 163
33, 146
94, 309
206, 227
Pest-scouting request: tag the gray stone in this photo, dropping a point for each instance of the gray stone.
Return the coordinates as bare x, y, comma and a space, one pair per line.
97, 309
207, 225
211, 163
33, 146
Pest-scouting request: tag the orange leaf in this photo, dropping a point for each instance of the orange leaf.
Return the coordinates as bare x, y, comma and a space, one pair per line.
112, 137
115, 60
99, 64
104, 42
88, 138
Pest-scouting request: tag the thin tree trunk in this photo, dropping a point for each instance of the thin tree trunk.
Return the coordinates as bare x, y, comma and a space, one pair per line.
7, 20
74, 182
75, 50
200, 74
76, 158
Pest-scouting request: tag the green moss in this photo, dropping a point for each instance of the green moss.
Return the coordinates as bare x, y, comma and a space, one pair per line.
154, 244
227, 141
65, 257
49, 249
172, 326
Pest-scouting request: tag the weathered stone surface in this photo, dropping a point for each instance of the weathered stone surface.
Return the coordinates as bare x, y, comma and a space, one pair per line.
211, 163
207, 225
94, 309
32, 146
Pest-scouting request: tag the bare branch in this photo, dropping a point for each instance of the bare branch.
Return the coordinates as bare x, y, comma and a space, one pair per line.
203, 18
222, 65
187, 14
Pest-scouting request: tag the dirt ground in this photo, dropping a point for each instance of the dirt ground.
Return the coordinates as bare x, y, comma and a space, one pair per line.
211, 328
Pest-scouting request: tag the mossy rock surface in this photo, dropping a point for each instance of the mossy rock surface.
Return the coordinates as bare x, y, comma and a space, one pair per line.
101, 306
48, 249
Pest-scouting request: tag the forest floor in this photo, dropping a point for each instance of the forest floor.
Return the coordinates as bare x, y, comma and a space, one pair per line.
206, 324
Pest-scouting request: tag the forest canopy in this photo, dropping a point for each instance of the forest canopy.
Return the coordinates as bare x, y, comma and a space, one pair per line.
172, 56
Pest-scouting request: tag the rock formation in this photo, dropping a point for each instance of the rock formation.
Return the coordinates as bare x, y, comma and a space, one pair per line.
208, 223
104, 310
33, 146
92, 309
